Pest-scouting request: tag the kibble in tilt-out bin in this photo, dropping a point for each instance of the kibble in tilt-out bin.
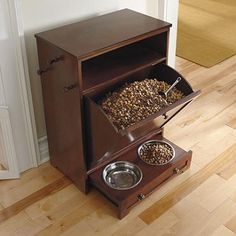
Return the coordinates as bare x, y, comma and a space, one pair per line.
136, 101
116, 138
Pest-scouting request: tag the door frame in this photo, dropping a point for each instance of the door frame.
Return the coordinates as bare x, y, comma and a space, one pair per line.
7, 147
22, 84
168, 11
25, 88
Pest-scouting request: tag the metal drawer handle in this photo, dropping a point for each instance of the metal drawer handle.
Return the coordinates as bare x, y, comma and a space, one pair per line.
70, 87
50, 63
40, 72
141, 196
176, 171
56, 59
165, 116
180, 171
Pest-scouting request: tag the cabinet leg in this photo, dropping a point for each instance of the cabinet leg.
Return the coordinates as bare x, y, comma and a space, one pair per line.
123, 211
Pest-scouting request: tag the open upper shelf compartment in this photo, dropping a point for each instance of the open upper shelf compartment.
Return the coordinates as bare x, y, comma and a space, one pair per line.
108, 68
110, 46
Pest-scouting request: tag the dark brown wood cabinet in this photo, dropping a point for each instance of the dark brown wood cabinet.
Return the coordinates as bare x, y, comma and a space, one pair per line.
78, 64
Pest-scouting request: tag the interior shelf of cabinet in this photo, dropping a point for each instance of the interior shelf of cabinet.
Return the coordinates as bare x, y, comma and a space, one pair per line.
110, 67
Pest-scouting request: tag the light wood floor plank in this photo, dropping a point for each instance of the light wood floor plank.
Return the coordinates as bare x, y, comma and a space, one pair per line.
9, 227
12, 191
76, 216
223, 231
59, 204
221, 215
199, 202
182, 190
130, 228
203, 224
161, 226
17, 207
232, 123
231, 224
82, 228
229, 169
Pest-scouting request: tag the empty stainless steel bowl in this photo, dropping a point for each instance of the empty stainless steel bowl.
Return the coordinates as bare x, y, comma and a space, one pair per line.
122, 175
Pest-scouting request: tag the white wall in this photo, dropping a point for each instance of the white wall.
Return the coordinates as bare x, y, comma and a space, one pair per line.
40, 15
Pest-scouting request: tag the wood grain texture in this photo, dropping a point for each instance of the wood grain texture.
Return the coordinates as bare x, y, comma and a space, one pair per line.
63, 112
231, 224
32, 198
12, 191
206, 201
112, 30
232, 123
222, 230
113, 41
185, 188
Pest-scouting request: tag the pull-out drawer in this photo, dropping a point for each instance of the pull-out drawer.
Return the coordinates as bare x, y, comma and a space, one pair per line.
153, 177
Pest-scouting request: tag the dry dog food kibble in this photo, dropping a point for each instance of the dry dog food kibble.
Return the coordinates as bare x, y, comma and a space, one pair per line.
156, 153
136, 101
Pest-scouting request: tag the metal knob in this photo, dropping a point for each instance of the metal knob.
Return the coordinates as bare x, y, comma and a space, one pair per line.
70, 87
141, 196
50, 63
176, 170
165, 116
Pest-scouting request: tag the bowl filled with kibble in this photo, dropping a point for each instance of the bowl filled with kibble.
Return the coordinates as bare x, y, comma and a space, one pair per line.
156, 152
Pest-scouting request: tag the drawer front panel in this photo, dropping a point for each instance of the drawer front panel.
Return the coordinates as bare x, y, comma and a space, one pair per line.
153, 176
175, 170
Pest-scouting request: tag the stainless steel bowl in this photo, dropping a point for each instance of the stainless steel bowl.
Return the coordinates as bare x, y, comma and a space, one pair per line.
122, 175
156, 142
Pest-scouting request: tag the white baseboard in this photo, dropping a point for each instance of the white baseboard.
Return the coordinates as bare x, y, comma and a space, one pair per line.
43, 150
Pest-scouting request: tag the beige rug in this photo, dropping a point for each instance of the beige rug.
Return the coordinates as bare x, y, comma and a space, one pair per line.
206, 31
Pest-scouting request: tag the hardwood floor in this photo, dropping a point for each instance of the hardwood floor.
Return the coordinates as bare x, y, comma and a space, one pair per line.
201, 201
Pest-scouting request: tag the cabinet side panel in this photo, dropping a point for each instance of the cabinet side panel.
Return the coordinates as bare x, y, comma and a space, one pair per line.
61, 95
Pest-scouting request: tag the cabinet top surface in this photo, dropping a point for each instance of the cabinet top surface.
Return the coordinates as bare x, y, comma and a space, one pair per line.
87, 38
